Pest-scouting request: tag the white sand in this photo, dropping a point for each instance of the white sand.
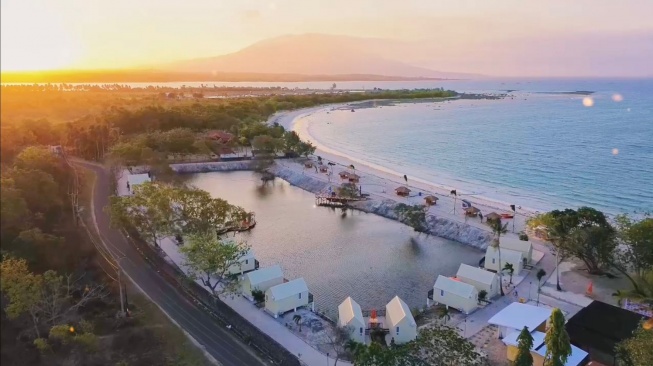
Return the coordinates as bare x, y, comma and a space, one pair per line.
380, 182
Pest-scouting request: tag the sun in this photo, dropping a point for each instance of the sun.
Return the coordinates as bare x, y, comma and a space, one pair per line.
35, 37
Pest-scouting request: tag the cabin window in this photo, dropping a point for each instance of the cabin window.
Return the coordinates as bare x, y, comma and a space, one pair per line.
300, 295
397, 330
246, 261
493, 260
361, 330
441, 292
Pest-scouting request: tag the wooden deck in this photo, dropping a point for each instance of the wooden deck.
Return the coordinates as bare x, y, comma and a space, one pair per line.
335, 201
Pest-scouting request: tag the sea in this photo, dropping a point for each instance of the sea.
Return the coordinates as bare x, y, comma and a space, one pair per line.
549, 144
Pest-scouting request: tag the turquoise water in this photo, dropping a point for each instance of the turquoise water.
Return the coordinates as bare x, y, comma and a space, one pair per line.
540, 148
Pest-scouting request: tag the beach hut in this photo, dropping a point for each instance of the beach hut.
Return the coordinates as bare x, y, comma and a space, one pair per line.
479, 278
245, 263
516, 316
261, 279
402, 191
344, 174
285, 297
430, 200
308, 164
472, 211
323, 169
353, 178
456, 294
512, 243
507, 256
135, 179
400, 321
350, 317
492, 216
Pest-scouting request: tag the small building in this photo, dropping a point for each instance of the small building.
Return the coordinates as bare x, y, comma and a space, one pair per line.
492, 216
308, 164
261, 279
479, 278
353, 178
430, 200
400, 322
246, 263
516, 316
135, 179
344, 174
577, 357
598, 328
456, 294
222, 137
526, 247
323, 169
507, 256
287, 296
472, 211
350, 317
402, 191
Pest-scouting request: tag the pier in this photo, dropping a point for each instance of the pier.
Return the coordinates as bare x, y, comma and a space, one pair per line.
335, 201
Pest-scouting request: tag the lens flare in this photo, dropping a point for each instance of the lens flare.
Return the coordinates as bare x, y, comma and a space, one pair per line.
615, 151
588, 101
617, 97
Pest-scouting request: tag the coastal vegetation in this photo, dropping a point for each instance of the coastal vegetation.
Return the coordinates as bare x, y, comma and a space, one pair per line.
413, 216
637, 350
524, 346
558, 346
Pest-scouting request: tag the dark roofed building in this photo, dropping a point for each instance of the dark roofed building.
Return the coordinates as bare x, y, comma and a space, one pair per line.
599, 327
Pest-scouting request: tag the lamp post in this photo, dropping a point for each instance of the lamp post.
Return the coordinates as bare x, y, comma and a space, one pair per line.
530, 285
327, 358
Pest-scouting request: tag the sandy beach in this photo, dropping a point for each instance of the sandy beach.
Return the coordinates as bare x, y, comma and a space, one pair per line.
380, 182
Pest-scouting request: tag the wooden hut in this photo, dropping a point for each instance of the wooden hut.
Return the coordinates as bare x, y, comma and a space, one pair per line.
402, 191
344, 174
323, 169
492, 216
430, 200
472, 211
353, 178
308, 164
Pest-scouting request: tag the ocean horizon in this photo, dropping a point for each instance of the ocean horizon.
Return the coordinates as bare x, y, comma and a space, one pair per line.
545, 146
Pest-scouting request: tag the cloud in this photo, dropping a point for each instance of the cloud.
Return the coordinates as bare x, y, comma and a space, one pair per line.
250, 15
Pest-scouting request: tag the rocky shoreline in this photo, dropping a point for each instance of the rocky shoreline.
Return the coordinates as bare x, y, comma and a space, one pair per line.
438, 226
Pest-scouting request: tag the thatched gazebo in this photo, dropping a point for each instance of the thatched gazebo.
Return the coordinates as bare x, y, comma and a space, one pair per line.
323, 169
308, 164
402, 191
492, 216
344, 174
472, 211
353, 178
430, 200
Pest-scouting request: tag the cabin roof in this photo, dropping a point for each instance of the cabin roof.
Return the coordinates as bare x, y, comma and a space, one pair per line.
396, 310
264, 274
455, 287
508, 255
476, 274
515, 244
348, 310
402, 189
518, 316
431, 197
287, 289
472, 209
492, 216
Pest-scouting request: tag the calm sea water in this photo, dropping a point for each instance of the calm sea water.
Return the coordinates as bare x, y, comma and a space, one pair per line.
361, 255
540, 148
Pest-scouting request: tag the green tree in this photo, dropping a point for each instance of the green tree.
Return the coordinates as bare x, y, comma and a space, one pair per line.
482, 296
442, 345
498, 228
634, 255
540, 274
637, 350
524, 346
444, 314
14, 212
508, 267
558, 346
211, 261
298, 320
413, 216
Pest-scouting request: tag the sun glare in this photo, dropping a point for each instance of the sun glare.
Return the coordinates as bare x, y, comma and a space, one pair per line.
35, 37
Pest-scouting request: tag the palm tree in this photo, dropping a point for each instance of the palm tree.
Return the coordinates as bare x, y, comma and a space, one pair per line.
508, 267
444, 314
540, 274
298, 320
498, 228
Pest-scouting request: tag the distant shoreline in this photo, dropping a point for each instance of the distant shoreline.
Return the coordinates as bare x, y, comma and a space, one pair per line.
156, 76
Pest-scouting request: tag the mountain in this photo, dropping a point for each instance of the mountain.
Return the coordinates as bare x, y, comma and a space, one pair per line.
314, 54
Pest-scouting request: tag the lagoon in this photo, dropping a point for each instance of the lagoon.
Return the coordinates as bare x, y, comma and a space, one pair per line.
365, 256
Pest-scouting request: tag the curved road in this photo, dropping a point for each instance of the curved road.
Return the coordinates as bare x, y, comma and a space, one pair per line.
217, 341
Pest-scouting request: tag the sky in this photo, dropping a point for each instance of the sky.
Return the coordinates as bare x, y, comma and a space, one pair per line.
92, 34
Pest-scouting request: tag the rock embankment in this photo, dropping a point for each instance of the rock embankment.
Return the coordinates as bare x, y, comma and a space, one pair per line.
438, 226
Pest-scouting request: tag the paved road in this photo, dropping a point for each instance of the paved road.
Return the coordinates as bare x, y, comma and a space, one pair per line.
217, 341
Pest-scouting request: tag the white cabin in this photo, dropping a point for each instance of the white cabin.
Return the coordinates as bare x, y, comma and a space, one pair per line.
479, 278
400, 322
516, 316
135, 179
526, 247
350, 317
246, 263
456, 294
261, 279
287, 296
507, 256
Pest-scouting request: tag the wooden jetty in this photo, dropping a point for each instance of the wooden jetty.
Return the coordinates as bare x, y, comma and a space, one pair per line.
335, 201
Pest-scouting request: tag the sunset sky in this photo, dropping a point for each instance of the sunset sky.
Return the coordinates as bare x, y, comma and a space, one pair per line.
47, 34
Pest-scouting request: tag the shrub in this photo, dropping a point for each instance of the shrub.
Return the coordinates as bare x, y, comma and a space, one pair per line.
258, 295
523, 237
